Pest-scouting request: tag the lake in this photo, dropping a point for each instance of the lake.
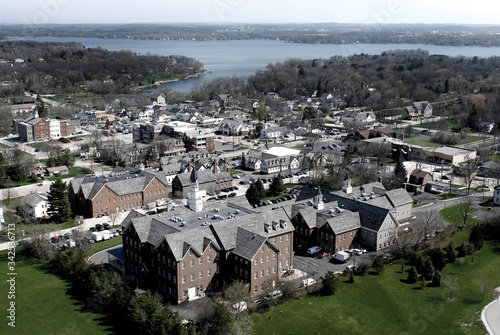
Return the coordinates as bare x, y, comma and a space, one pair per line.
244, 58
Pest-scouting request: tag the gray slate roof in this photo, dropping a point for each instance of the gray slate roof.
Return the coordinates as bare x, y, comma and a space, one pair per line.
32, 200
346, 222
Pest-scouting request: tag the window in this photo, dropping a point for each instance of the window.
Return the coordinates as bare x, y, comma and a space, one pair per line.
288, 237
281, 238
268, 271
201, 260
217, 270
183, 265
236, 269
274, 256
262, 273
256, 289
209, 258
262, 259
340, 238
192, 277
268, 258
209, 272
183, 279
287, 250
255, 261
255, 275
201, 274
274, 269
192, 262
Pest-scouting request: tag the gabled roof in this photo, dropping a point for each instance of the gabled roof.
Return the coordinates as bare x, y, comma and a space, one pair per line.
348, 221
32, 200
399, 197
248, 243
309, 215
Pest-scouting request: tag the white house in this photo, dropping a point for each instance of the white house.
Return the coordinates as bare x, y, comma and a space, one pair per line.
271, 130
496, 195
34, 205
55, 128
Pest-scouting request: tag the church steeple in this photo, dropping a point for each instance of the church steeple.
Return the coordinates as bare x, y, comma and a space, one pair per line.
318, 200
195, 200
346, 187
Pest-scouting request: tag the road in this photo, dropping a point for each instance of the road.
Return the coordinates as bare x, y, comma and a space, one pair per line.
491, 316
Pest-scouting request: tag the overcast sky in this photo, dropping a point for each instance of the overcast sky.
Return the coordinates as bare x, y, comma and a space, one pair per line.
251, 11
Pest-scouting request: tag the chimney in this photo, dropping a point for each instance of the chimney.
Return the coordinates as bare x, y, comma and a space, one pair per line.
380, 179
194, 158
216, 163
189, 170
161, 166
226, 168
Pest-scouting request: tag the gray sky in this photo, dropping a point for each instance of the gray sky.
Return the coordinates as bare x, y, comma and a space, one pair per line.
251, 11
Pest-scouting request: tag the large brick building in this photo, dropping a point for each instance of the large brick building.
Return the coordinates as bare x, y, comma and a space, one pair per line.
94, 196
38, 129
368, 215
181, 257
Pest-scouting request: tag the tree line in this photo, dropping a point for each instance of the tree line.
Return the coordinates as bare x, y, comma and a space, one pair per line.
68, 67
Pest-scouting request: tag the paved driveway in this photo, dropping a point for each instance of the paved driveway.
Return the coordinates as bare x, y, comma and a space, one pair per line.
491, 316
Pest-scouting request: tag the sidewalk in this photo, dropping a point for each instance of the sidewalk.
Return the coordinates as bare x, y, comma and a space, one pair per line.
491, 315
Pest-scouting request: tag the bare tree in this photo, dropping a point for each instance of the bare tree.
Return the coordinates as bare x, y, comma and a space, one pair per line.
38, 244
451, 285
428, 221
461, 261
484, 286
465, 208
468, 170
312, 139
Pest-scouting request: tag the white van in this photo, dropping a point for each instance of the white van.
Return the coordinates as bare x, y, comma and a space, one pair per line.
306, 282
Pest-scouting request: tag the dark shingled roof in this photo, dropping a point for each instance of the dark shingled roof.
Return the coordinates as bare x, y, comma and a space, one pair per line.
345, 222
248, 243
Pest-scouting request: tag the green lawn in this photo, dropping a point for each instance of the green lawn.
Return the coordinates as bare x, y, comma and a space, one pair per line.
73, 171
429, 143
420, 204
446, 196
112, 242
43, 304
38, 145
386, 305
452, 215
302, 147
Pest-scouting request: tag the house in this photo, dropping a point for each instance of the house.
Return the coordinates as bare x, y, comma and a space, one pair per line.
419, 110
222, 100
158, 99
358, 118
271, 130
233, 128
209, 182
57, 170
418, 180
496, 195
183, 258
34, 205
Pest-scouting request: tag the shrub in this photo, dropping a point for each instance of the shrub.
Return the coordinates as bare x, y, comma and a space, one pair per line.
412, 275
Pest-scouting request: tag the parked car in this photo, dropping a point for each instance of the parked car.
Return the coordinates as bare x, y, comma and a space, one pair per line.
273, 295
324, 254
107, 226
313, 250
231, 195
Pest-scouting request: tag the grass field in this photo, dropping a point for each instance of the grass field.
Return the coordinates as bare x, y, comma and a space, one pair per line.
99, 246
385, 304
429, 143
452, 215
43, 304
73, 171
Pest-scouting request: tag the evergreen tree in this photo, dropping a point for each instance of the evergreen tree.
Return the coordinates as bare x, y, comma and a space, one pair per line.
399, 170
461, 250
260, 188
412, 275
436, 280
437, 258
378, 265
428, 270
277, 187
59, 207
476, 238
419, 265
221, 321
329, 284
451, 255
149, 315
252, 194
